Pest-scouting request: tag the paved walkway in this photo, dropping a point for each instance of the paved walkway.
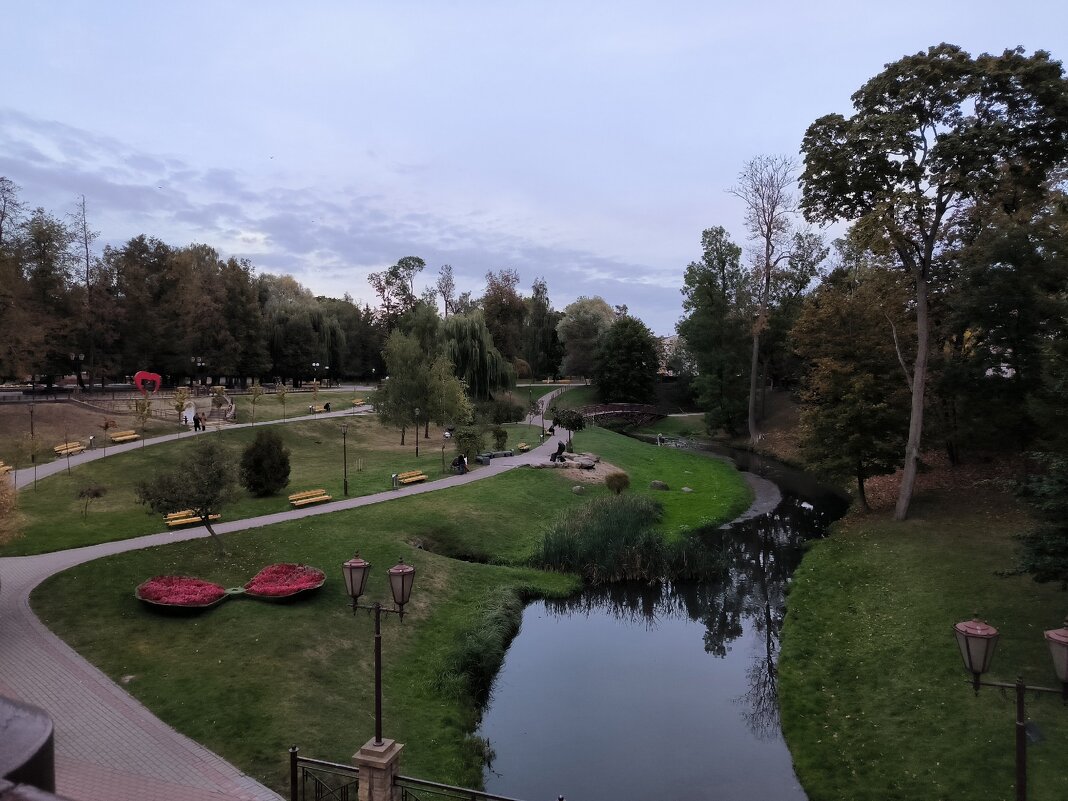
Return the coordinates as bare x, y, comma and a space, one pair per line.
108, 746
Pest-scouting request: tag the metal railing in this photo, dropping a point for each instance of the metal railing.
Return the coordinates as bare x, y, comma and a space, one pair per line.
421, 790
318, 780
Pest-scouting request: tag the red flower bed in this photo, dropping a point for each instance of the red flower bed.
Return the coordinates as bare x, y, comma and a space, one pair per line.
276, 581
180, 591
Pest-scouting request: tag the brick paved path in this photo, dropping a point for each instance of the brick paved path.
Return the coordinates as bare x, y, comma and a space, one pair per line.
108, 746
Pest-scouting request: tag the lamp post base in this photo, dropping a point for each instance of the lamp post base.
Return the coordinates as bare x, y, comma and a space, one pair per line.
379, 764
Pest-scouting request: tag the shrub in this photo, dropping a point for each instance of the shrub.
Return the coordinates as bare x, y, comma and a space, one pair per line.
9, 510
500, 438
608, 539
617, 482
265, 464
499, 412
469, 441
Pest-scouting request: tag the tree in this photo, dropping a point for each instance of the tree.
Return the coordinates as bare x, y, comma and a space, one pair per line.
468, 344
446, 287
932, 132
581, 326
853, 396
571, 419
395, 287
541, 346
255, 393
626, 363
280, 393
504, 311
408, 386
716, 329
265, 464
203, 480
764, 186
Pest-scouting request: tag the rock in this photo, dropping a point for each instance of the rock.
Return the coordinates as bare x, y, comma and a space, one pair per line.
658, 485
687, 489
578, 489
585, 464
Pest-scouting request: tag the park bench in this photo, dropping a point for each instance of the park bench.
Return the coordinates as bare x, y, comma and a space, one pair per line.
522, 447
359, 401
68, 448
174, 520
5, 469
411, 477
125, 436
317, 409
308, 497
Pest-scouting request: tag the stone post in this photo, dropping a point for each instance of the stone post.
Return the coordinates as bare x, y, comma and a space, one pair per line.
378, 765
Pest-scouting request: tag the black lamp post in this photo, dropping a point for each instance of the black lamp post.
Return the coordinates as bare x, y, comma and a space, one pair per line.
345, 454
198, 362
977, 641
401, 577
416, 432
315, 366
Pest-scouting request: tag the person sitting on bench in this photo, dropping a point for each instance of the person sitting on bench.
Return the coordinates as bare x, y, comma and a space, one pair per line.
559, 455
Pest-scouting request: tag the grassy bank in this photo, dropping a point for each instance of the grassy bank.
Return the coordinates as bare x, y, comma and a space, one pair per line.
248, 679
874, 699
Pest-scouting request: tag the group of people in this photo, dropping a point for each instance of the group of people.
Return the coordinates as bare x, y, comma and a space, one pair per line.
459, 464
200, 423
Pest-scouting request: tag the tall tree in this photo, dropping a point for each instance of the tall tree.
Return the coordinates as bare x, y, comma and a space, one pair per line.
932, 132
541, 346
626, 363
395, 287
504, 311
716, 329
764, 186
579, 329
446, 287
467, 343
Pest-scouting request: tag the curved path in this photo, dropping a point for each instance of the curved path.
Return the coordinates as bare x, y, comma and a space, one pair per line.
108, 746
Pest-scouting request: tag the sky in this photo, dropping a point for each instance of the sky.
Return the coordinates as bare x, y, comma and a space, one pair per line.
585, 143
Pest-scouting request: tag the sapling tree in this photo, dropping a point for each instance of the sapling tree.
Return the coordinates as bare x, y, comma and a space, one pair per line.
265, 464
202, 480
254, 394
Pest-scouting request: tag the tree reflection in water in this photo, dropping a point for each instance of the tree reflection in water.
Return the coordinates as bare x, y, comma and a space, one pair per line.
747, 570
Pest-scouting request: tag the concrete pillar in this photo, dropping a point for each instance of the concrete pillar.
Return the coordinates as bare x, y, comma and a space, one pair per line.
378, 765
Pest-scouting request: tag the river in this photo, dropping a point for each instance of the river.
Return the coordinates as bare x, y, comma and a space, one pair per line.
666, 691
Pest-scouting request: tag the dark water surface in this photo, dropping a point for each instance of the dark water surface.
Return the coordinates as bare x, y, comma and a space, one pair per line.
664, 691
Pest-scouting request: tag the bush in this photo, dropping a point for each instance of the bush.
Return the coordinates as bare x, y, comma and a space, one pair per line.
469, 441
617, 482
499, 412
607, 539
500, 438
265, 464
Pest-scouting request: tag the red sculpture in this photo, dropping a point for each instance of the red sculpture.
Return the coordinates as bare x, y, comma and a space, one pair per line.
143, 375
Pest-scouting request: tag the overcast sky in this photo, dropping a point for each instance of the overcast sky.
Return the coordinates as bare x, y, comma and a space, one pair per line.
585, 143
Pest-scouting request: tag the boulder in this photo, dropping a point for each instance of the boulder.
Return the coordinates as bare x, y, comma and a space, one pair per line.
687, 489
658, 485
578, 489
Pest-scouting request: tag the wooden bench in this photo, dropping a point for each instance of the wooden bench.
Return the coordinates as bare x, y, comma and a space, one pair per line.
522, 447
68, 448
317, 409
358, 401
298, 499
125, 436
174, 522
411, 477
179, 515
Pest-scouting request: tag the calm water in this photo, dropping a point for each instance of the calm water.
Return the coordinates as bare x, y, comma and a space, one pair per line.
661, 692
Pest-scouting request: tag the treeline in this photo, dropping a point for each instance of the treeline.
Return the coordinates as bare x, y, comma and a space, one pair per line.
187, 313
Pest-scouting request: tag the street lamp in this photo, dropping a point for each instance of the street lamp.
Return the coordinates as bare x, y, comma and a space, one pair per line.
977, 640
345, 454
401, 577
316, 366
416, 432
198, 362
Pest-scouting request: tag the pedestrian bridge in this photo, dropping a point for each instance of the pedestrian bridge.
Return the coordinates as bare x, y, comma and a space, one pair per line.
636, 414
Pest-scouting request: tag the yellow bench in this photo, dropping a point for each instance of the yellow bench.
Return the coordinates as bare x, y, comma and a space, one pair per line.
317, 409
125, 436
185, 521
522, 447
299, 499
358, 401
411, 477
68, 448
177, 515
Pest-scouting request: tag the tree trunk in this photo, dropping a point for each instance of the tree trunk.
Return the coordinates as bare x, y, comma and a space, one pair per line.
861, 496
754, 434
919, 384
215, 537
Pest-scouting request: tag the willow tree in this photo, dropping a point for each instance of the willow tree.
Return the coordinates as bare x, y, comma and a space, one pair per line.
468, 344
931, 133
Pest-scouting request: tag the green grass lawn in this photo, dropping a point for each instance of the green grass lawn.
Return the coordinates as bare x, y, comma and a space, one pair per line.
718, 494
874, 696
52, 512
689, 426
248, 679
268, 407
574, 397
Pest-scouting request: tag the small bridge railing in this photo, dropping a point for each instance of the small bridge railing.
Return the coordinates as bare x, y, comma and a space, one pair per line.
318, 780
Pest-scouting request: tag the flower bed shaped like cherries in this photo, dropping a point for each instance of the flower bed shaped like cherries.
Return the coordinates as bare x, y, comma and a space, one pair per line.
281, 580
